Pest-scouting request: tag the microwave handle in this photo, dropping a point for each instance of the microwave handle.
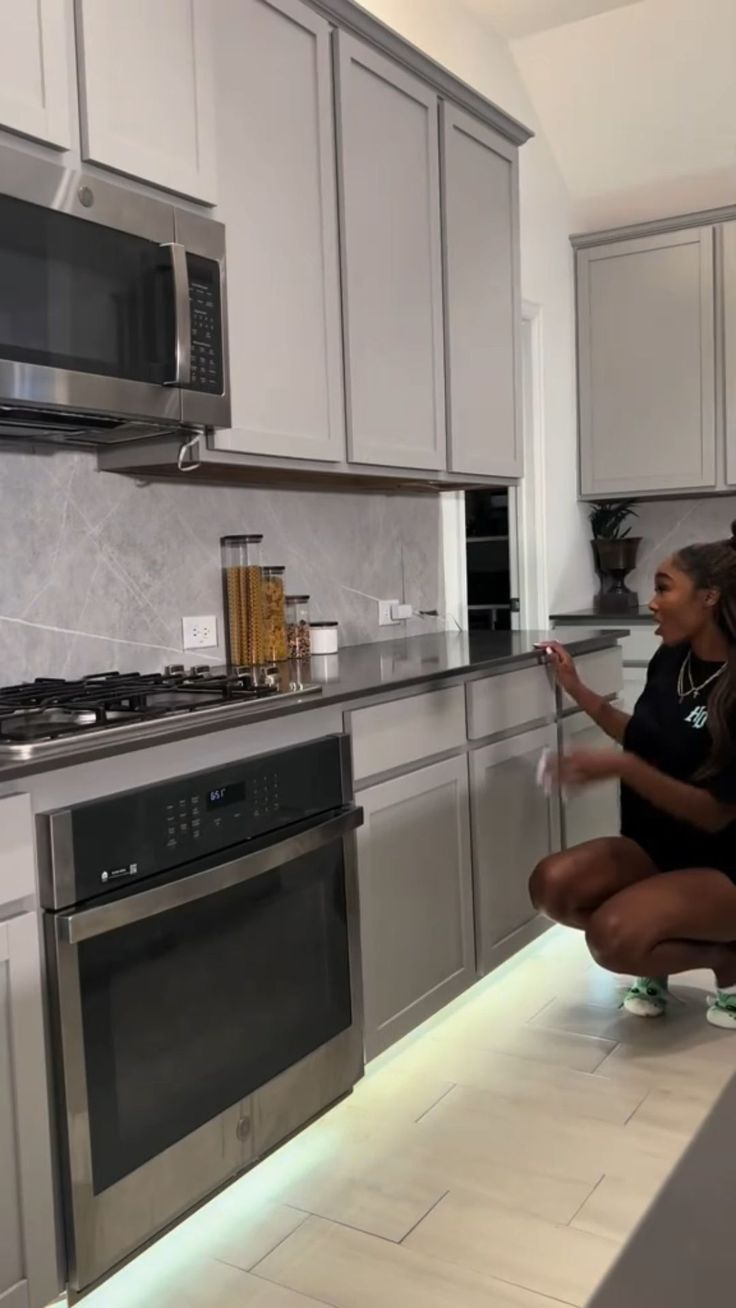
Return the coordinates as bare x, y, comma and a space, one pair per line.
182, 315
73, 928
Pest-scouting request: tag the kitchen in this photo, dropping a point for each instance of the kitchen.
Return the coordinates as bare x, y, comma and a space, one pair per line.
328, 853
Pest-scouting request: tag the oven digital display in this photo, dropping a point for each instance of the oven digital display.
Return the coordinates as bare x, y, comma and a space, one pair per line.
221, 796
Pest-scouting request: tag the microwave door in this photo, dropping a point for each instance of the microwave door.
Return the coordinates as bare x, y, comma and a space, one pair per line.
92, 318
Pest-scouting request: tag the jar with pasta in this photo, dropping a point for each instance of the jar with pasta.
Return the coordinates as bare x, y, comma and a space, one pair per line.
243, 600
297, 626
274, 615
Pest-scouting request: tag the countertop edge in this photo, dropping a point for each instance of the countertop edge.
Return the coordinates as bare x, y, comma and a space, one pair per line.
189, 728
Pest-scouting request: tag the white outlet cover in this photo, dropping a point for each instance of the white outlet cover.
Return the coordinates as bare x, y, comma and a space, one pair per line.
199, 632
384, 613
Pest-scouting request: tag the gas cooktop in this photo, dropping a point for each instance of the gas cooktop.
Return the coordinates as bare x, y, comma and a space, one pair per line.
39, 714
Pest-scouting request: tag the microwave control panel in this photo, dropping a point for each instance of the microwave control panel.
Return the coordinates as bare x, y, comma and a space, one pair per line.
206, 316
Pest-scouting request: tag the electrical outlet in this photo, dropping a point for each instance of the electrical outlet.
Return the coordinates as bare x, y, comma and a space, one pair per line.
385, 618
199, 633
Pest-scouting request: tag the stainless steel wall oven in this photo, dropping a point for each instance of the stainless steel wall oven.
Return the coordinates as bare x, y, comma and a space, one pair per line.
203, 948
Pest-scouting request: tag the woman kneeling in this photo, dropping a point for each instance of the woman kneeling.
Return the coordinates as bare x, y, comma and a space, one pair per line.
661, 897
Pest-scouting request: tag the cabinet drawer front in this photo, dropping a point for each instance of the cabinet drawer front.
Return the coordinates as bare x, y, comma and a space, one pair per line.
510, 700
640, 645
601, 671
407, 730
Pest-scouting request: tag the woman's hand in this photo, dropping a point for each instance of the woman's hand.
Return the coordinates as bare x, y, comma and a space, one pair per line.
564, 667
584, 767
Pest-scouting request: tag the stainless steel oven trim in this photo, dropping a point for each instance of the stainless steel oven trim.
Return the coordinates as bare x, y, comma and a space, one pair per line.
99, 1239
94, 199
75, 927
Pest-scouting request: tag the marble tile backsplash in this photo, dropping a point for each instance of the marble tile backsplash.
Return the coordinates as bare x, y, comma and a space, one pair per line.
97, 571
666, 525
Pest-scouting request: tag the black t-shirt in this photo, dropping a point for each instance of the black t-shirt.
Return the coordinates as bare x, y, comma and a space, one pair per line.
674, 738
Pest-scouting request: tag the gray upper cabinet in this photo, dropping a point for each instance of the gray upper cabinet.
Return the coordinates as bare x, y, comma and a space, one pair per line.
416, 899
276, 136
728, 233
388, 153
35, 92
646, 371
146, 96
482, 297
514, 827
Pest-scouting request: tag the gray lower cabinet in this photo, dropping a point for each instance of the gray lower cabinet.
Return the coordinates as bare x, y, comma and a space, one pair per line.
646, 364
28, 1270
595, 810
514, 826
388, 155
480, 183
728, 236
276, 142
416, 899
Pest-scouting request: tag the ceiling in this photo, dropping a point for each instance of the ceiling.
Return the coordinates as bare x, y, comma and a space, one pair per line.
517, 18
637, 100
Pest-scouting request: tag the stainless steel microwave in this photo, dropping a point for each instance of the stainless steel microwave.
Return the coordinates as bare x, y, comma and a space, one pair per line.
113, 322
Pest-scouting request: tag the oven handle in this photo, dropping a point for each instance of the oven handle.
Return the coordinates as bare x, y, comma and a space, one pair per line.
73, 928
182, 315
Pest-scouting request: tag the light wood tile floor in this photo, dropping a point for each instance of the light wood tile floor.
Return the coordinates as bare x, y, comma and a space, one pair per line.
498, 1158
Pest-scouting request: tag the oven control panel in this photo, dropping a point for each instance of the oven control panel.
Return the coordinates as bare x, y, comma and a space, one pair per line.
153, 829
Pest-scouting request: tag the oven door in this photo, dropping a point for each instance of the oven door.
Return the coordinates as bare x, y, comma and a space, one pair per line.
200, 1022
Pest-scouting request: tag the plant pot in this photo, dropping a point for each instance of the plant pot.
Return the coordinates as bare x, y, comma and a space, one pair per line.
614, 560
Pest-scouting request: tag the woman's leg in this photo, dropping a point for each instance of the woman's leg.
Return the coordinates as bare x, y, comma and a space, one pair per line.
570, 887
667, 924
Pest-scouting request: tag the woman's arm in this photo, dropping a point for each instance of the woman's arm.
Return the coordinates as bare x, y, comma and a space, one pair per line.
676, 798
610, 719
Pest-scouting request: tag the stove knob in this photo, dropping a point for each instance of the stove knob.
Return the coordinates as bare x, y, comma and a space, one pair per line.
174, 670
202, 670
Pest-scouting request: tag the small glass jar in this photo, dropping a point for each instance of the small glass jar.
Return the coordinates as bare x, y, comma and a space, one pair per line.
274, 614
297, 626
243, 599
323, 637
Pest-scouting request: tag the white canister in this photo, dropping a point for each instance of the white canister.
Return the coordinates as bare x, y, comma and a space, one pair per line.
323, 637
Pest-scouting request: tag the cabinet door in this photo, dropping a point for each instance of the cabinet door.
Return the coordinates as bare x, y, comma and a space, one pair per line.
36, 79
415, 899
279, 203
392, 270
646, 364
28, 1268
482, 297
728, 236
513, 828
146, 94
595, 810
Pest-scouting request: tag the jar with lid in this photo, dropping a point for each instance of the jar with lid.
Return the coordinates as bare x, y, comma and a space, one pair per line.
243, 596
323, 637
274, 614
297, 626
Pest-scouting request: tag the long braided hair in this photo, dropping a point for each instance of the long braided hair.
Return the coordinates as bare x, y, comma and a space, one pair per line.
712, 566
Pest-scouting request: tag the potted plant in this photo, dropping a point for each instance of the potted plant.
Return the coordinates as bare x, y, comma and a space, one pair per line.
614, 552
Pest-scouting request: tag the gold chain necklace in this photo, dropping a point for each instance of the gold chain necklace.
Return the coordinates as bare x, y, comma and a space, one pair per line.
687, 666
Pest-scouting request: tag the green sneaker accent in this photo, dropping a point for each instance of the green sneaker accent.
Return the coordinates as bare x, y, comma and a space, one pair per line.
647, 997
722, 1011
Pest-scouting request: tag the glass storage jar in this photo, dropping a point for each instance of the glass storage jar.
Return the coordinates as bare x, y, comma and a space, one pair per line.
243, 587
274, 615
297, 626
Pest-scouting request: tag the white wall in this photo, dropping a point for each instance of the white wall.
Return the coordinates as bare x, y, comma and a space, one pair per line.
467, 44
639, 104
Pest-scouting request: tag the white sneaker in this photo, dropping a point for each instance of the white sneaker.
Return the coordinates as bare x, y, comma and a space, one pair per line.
722, 1010
648, 997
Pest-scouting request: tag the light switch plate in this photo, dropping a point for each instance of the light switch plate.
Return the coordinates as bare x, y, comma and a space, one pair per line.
199, 633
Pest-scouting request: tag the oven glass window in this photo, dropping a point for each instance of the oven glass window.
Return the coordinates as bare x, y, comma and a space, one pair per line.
83, 297
188, 1012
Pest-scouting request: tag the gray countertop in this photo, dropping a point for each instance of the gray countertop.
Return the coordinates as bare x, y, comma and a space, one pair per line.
357, 672
589, 617
682, 1255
